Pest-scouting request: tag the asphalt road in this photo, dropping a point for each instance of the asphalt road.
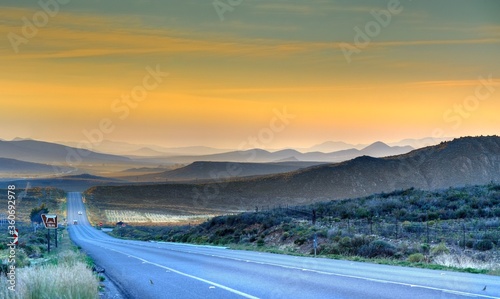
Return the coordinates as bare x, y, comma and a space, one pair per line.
167, 270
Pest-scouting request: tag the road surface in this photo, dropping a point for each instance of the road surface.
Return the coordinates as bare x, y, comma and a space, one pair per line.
167, 270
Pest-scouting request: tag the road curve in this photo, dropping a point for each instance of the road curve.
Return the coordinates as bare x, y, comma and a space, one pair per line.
168, 270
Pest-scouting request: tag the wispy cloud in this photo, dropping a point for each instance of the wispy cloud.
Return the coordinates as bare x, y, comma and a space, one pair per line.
427, 42
452, 83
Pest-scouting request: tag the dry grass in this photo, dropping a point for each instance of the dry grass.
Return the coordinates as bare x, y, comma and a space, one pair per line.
71, 278
464, 262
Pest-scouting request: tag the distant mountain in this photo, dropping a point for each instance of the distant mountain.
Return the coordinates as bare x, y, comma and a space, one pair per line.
145, 169
202, 170
335, 146
53, 153
289, 159
21, 167
125, 149
377, 149
380, 149
145, 151
332, 146
464, 161
419, 143
69, 183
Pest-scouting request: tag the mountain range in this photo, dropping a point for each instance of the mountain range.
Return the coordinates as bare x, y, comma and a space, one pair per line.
461, 162
63, 155
130, 149
464, 161
377, 149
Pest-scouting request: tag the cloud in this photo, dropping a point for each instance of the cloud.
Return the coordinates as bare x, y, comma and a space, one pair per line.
453, 83
387, 44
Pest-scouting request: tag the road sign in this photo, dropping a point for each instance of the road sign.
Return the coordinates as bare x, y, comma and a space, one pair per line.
49, 220
16, 236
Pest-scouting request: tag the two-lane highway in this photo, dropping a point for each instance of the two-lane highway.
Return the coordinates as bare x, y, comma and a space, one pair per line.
167, 270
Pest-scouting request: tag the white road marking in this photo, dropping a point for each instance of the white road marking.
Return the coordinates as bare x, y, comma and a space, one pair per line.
191, 276
295, 268
352, 276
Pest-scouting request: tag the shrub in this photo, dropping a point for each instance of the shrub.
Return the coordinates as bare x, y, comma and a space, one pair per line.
285, 236
300, 241
425, 248
440, 249
377, 248
416, 258
328, 249
483, 245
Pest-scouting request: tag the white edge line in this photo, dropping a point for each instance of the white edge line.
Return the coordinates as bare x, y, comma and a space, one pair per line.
352, 276
191, 276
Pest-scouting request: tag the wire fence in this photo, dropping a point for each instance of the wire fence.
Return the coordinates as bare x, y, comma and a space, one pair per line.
467, 233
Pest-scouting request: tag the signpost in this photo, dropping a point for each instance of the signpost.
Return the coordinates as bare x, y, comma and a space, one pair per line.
50, 222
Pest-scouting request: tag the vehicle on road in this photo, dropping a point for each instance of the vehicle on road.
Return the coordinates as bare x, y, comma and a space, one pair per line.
75, 222
80, 213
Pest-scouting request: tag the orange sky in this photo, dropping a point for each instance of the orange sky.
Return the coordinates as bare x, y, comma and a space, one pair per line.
226, 79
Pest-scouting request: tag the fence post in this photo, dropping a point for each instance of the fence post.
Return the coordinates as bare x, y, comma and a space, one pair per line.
427, 223
463, 227
396, 230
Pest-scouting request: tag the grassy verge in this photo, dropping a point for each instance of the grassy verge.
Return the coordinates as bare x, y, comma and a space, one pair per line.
65, 272
381, 261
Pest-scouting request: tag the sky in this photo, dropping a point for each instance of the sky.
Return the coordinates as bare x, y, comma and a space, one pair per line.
248, 73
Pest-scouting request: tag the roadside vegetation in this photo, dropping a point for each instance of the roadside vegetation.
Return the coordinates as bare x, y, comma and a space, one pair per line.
456, 228
63, 272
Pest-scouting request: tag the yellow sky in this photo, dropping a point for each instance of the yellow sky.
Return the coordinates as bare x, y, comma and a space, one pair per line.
226, 80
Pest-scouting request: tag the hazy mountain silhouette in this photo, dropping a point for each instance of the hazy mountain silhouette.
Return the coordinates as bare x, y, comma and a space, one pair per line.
203, 170
79, 182
332, 146
53, 153
377, 149
22, 167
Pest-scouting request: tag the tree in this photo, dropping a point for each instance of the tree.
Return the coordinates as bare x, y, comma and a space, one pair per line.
36, 213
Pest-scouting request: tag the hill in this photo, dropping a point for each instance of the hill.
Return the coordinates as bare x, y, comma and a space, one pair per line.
53, 153
203, 170
409, 226
67, 183
461, 162
13, 166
